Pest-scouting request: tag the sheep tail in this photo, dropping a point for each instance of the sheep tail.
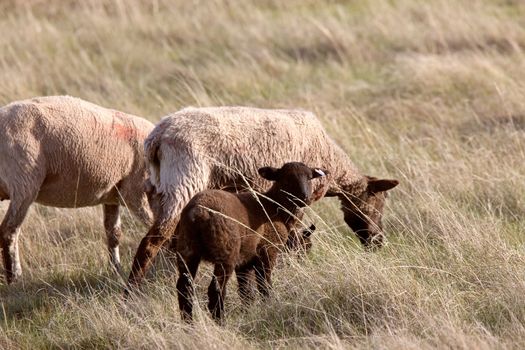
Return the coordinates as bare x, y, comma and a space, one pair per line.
151, 151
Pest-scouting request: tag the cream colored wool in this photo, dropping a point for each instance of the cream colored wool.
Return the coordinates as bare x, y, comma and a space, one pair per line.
199, 148
62, 151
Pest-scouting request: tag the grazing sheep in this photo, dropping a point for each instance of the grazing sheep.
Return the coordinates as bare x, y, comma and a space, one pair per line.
241, 232
64, 152
222, 147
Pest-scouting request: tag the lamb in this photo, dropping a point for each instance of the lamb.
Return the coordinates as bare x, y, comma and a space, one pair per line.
240, 232
299, 241
222, 147
64, 152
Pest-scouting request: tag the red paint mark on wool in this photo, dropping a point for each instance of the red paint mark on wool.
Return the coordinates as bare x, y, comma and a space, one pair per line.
123, 127
123, 132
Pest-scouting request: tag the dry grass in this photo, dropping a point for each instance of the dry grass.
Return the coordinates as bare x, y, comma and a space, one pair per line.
431, 93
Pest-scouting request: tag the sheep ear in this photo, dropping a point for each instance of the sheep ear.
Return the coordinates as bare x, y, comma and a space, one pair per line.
316, 172
380, 185
269, 173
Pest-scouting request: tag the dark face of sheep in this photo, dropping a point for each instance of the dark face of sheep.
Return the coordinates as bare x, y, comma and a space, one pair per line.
364, 213
293, 179
300, 240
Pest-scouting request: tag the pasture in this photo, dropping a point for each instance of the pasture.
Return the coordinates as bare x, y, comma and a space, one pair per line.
431, 93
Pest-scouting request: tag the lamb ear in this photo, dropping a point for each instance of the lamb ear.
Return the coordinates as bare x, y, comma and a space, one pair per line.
269, 173
316, 172
381, 185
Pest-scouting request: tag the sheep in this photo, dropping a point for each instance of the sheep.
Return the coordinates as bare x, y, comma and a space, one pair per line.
240, 232
64, 152
222, 147
298, 241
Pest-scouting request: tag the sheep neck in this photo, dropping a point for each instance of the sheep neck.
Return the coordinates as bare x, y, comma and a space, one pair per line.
277, 205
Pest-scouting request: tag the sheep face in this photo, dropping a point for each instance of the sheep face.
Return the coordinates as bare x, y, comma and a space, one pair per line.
300, 241
364, 213
293, 179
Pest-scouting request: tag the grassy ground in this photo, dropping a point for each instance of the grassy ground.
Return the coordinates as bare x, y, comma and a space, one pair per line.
429, 92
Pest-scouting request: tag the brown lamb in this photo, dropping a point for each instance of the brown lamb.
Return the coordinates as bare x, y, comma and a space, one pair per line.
239, 232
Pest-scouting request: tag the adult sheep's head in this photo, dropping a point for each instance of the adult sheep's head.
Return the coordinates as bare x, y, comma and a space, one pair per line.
363, 213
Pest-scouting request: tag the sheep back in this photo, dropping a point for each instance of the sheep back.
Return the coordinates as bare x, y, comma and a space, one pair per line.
224, 146
79, 151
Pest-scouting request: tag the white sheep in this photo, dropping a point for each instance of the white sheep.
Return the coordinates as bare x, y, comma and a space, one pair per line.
64, 152
222, 147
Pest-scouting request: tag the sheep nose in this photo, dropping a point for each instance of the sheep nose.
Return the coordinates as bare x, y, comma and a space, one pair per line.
306, 200
305, 194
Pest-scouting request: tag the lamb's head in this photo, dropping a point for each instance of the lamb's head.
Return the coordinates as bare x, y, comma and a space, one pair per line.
293, 180
363, 213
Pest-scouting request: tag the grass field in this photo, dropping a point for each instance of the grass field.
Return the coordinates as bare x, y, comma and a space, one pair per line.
429, 92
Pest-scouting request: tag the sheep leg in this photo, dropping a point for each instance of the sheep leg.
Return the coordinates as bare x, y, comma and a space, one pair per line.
244, 278
137, 202
167, 209
172, 244
142, 213
150, 245
187, 271
113, 234
9, 234
263, 270
217, 290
